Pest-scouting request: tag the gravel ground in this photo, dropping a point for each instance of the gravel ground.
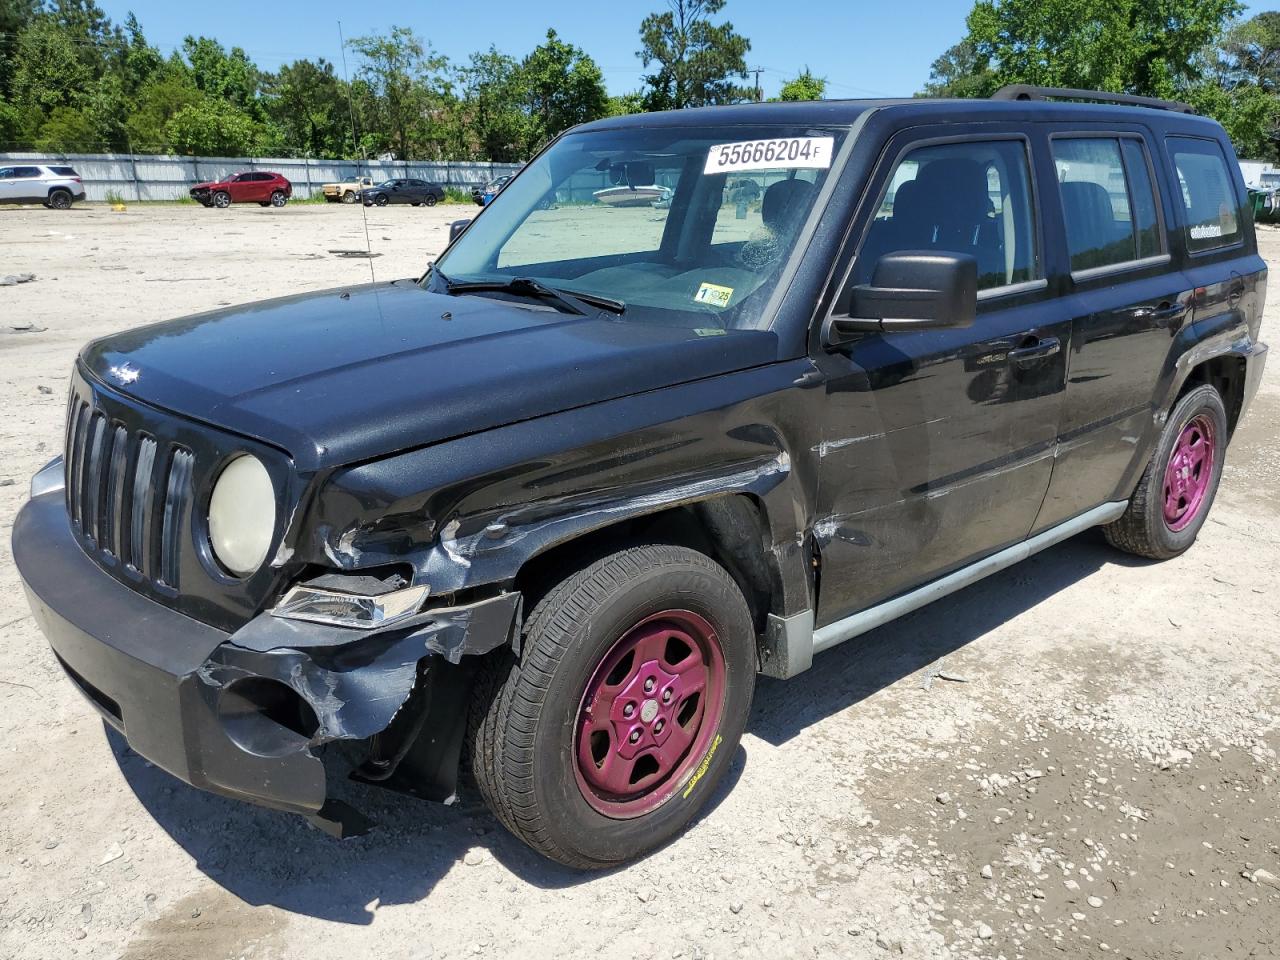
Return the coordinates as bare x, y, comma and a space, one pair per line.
1076, 757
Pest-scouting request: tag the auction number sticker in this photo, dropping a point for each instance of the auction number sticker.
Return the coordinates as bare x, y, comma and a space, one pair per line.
785, 152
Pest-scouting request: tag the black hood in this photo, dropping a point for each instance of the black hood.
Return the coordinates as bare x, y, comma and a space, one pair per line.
349, 375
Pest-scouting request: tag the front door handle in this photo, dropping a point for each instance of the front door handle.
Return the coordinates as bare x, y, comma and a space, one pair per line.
1034, 352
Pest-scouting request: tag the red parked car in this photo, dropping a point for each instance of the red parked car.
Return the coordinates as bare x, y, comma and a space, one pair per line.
259, 186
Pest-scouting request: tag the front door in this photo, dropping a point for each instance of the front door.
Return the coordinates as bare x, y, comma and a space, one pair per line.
8, 185
939, 444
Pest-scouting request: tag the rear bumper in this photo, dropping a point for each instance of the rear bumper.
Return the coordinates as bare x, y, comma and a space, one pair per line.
188, 696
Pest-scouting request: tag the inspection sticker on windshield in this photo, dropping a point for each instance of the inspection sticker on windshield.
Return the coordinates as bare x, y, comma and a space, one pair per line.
784, 152
714, 295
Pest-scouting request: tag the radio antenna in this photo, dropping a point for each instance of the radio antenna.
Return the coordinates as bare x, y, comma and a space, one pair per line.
358, 148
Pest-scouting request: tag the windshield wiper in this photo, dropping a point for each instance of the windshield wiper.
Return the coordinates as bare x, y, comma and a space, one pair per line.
528, 287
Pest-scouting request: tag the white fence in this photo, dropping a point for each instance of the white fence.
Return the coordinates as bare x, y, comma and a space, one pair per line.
158, 177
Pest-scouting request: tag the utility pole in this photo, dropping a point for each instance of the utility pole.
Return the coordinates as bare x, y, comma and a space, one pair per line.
756, 71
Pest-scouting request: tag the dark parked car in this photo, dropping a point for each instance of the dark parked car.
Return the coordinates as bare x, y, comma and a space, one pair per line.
259, 186
554, 506
420, 193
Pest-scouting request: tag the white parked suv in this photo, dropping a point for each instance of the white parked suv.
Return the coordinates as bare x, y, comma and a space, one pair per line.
55, 186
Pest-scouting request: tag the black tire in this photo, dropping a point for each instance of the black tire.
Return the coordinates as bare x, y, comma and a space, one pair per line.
278, 199
1143, 529
59, 200
380, 200
349, 196
522, 733
221, 199
430, 201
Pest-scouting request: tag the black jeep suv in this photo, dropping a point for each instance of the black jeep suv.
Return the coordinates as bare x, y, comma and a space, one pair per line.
548, 510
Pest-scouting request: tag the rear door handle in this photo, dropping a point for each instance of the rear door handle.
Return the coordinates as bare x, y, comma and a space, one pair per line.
1034, 352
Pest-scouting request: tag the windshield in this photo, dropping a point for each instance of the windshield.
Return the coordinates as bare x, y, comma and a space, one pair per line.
687, 226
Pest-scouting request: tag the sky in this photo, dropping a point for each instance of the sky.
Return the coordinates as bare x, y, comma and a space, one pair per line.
864, 49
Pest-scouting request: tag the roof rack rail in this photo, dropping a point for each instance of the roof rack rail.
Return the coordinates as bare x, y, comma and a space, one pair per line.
1026, 91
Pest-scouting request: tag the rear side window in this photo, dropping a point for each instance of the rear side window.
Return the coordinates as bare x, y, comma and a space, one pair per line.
970, 198
1208, 195
64, 171
22, 172
1108, 202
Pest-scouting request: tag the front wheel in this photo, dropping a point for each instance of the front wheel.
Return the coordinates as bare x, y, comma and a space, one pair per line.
624, 709
222, 199
349, 196
380, 201
278, 199
1173, 498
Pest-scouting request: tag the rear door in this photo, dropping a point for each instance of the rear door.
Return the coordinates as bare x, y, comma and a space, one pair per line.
938, 444
8, 184
1127, 300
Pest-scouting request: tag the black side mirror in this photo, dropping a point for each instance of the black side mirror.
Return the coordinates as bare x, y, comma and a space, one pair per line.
456, 227
910, 290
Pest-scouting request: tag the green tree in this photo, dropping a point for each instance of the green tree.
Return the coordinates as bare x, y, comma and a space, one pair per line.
1250, 52
1134, 46
168, 92
15, 16
697, 61
229, 76
214, 128
403, 75
560, 86
49, 72
308, 104
804, 87
961, 72
625, 104
489, 110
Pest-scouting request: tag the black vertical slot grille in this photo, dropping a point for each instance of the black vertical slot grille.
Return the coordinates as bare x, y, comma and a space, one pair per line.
177, 497
141, 507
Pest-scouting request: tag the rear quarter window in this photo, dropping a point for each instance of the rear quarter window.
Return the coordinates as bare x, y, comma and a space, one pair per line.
1207, 192
64, 171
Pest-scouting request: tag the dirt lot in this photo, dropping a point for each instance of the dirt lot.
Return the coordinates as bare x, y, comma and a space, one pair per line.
1074, 758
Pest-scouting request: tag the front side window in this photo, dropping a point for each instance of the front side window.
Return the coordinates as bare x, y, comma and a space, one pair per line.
1108, 202
1208, 195
966, 198
687, 226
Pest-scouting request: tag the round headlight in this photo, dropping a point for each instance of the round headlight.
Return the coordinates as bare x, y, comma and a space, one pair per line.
242, 515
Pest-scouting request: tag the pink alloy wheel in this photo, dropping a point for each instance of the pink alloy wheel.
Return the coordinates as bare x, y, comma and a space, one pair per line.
648, 713
1189, 473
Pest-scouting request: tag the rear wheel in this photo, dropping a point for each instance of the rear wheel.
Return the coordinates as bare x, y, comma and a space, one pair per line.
430, 201
222, 199
60, 199
624, 709
278, 199
1173, 498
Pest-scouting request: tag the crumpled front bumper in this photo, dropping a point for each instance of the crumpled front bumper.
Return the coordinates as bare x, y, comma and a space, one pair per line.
190, 698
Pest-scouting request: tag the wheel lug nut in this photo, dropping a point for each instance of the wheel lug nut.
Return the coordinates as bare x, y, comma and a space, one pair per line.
657, 727
629, 710
635, 736
666, 696
649, 685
